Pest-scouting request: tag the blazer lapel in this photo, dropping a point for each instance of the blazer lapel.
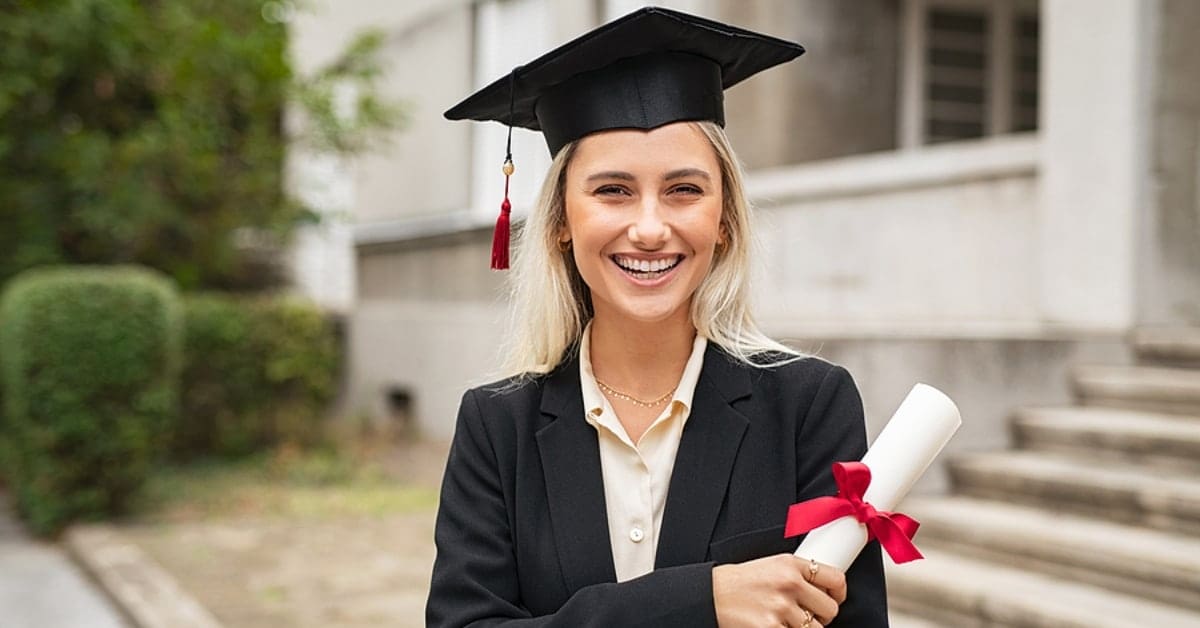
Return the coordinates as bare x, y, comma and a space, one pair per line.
707, 450
570, 456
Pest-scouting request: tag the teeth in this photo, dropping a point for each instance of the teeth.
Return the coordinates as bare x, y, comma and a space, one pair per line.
646, 266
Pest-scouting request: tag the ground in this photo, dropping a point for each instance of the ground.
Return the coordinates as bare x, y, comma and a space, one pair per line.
298, 540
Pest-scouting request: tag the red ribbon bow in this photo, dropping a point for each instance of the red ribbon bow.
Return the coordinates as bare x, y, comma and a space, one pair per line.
894, 530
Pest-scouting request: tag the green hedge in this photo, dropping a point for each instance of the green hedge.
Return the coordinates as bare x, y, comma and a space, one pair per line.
90, 372
258, 371
4, 455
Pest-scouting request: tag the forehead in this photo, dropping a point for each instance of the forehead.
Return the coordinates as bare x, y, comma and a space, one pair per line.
668, 147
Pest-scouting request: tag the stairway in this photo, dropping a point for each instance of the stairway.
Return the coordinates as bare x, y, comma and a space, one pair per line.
1093, 520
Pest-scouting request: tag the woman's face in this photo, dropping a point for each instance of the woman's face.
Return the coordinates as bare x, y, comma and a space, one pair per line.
644, 216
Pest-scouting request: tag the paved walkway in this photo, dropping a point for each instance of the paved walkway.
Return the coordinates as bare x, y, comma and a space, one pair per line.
41, 588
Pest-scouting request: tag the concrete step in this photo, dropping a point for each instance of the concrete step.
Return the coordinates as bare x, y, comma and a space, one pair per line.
1171, 345
1088, 486
1162, 566
143, 588
1155, 388
1145, 438
970, 593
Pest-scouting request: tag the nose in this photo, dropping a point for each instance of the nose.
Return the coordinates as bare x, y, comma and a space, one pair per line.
649, 231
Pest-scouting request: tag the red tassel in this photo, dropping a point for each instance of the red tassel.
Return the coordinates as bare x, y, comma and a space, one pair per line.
500, 238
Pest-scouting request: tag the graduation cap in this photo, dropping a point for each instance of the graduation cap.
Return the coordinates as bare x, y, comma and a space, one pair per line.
651, 67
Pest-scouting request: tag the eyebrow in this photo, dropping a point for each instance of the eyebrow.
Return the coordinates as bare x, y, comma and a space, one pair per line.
674, 174
687, 172
611, 174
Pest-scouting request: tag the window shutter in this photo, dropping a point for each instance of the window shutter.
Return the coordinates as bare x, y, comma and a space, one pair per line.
956, 76
1025, 73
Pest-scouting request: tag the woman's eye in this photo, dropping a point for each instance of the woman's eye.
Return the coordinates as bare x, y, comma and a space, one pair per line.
686, 189
611, 190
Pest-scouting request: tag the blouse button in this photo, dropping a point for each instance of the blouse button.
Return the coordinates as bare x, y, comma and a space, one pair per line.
636, 535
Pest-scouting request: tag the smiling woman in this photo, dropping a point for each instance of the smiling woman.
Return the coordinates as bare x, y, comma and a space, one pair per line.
643, 235
635, 466
552, 300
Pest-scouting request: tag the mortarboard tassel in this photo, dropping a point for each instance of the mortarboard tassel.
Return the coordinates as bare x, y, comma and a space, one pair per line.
500, 236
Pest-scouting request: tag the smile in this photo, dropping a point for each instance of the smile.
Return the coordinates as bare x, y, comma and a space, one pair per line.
646, 269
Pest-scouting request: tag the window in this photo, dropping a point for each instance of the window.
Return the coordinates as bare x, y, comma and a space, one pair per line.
970, 69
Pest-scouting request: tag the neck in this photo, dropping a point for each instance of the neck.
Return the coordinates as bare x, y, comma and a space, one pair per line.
639, 358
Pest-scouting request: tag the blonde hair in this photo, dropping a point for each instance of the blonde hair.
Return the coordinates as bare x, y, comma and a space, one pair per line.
551, 305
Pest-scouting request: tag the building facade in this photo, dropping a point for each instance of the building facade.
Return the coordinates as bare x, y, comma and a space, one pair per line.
974, 194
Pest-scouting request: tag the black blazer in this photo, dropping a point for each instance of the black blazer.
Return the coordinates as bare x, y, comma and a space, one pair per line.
522, 531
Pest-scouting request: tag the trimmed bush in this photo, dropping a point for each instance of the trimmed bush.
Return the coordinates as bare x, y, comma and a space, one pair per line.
90, 368
259, 371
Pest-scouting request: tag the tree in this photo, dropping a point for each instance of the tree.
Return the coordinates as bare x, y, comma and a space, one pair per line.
150, 132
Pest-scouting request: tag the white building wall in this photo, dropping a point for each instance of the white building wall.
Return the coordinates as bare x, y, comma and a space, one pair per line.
509, 34
1095, 149
322, 262
937, 240
616, 8
413, 172
1169, 271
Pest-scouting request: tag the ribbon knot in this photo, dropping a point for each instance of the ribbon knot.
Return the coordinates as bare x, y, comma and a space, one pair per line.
863, 511
893, 530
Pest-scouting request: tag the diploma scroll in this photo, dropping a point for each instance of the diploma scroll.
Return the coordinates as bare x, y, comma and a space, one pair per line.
914, 436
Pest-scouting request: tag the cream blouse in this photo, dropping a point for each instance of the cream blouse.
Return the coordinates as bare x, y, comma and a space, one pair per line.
636, 475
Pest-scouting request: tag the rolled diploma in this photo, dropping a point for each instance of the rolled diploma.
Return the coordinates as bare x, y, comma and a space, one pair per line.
917, 432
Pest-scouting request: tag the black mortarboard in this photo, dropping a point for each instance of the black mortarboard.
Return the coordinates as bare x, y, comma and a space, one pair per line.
649, 68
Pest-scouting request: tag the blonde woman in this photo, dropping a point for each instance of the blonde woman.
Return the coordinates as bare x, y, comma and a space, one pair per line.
636, 467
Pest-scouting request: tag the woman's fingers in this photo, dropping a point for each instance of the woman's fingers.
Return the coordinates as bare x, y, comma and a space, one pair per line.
828, 578
812, 595
798, 616
804, 619
810, 587
775, 590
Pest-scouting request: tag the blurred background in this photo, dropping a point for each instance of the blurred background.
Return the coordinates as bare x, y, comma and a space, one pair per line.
244, 264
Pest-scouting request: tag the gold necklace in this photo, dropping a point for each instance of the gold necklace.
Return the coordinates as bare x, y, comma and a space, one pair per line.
634, 400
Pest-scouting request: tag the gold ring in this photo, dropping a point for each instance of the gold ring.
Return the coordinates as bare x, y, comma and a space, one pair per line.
813, 568
808, 617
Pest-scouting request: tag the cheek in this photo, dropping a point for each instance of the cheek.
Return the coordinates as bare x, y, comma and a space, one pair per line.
708, 228
577, 214
591, 225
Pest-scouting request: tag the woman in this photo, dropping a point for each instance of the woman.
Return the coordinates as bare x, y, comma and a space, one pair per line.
636, 468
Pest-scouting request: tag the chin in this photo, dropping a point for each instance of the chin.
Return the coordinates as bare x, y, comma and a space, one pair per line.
652, 312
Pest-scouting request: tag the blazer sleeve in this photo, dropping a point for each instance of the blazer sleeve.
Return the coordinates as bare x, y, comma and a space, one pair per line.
474, 579
834, 430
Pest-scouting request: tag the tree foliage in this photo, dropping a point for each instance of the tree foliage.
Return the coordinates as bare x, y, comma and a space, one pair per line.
151, 132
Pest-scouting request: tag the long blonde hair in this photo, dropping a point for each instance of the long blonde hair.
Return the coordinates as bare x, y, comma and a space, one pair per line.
551, 305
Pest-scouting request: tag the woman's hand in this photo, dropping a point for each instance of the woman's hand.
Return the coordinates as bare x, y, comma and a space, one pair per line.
776, 591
